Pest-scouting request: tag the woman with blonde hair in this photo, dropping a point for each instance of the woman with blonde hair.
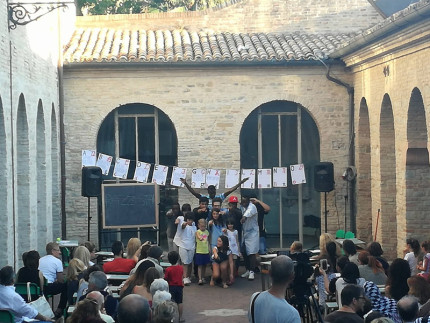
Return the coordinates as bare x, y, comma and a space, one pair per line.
324, 239
83, 254
75, 272
133, 246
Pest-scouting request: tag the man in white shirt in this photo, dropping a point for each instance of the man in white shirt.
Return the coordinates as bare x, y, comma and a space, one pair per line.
12, 301
251, 236
52, 269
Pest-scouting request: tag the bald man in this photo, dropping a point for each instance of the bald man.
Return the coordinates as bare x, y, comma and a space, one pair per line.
270, 305
134, 309
100, 301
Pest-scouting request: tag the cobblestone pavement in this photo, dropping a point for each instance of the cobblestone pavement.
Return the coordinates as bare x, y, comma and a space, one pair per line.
217, 305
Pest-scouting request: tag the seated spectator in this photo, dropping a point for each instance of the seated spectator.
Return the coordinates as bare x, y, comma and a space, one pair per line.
397, 281
142, 256
413, 254
133, 245
83, 283
85, 310
371, 269
134, 309
137, 279
296, 247
353, 300
375, 250
150, 275
98, 282
371, 316
407, 307
382, 304
349, 275
154, 254
83, 254
325, 238
12, 301
160, 296
165, 312
100, 301
74, 275
159, 284
30, 273
52, 269
119, 264
420, 288
92, 249
350, 251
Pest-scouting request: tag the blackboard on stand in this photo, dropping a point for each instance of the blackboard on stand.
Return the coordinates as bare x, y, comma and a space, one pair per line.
130, 205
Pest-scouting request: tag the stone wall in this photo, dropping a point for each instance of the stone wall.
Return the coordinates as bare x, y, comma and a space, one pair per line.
199, 100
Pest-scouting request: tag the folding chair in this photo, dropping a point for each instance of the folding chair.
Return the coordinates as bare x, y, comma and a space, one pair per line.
21, 289
6, 317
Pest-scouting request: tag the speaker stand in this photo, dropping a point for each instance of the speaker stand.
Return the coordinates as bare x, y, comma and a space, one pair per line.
89, 217
325, 211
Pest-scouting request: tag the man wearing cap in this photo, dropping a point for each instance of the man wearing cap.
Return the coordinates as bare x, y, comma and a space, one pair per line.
212, 191
234, 213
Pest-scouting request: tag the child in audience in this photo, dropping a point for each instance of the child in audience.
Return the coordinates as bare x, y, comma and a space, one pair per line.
173, 275
202, 250
296, 247
220, 254
187, 244
216, 227
233, 241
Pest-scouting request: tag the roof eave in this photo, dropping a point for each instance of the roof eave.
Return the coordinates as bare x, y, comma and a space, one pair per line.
390, 27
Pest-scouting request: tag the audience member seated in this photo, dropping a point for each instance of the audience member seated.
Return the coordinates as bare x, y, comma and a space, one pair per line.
353, 300
137, 279
349, 275
52, 269
13, 302
159, 284
382, 304
30, 273
119, 264
296, 247
92, 249
165, 312
83, 254
420, 288
83, 283
98, 282
85, 310
407, 307
154, 254
350, 251
133, 246
100, 301
325, 238
413, 254
74, 275
375, 250
150, 275
142, 256
161, 296
373, 315
371, 269
397, 281
134, 309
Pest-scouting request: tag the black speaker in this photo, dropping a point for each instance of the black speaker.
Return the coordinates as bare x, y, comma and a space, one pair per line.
91, 181
324, 177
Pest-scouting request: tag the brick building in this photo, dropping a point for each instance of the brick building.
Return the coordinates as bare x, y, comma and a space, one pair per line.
229, 88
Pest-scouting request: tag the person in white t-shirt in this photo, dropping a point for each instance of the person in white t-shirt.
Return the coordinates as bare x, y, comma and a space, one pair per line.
52, 269
187, 244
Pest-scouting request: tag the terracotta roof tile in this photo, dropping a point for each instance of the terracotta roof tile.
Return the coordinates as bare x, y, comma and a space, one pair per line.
123, 45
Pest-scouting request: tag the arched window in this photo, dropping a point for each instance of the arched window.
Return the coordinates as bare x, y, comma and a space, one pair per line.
280, 134
140, 132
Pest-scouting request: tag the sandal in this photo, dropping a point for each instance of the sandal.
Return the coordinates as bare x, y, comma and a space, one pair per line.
200, 282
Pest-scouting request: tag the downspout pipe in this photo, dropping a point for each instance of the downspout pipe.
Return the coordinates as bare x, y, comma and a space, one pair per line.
351, 146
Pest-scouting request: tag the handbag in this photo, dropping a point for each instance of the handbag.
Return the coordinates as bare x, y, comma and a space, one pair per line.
40, 304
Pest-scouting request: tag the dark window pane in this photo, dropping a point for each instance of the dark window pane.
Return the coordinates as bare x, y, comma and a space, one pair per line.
146, 139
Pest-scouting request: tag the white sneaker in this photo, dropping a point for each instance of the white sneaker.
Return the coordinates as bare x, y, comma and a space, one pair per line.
251, 275
187, 281
245, 275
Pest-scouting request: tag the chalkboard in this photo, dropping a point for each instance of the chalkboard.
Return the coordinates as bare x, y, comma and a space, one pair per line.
130, 205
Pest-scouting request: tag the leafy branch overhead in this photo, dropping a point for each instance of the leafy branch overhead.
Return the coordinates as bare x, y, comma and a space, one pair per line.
106, 7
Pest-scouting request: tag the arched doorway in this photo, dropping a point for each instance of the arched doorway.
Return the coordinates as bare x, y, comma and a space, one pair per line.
139, 132
280, 134
364, 191
388, 199
417, 170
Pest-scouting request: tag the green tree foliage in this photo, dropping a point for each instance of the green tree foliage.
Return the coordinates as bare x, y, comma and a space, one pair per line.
106, 7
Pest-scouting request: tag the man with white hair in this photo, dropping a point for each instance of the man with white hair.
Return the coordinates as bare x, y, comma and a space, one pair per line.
100, 301
271, 306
